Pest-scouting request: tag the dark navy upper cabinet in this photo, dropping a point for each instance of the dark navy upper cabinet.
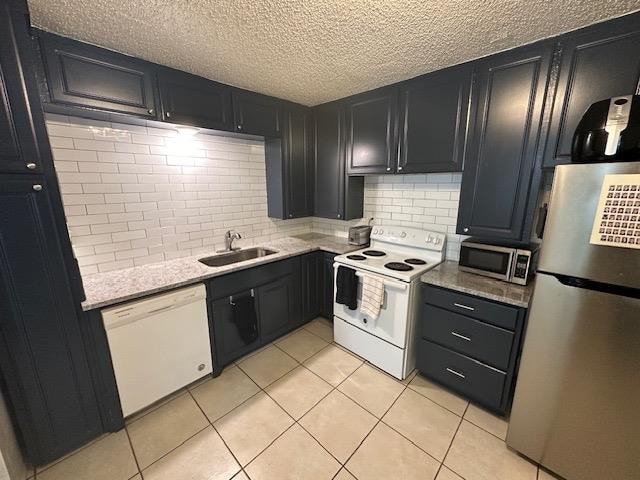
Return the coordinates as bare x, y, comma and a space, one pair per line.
192, 100
596, 63
257, 114
336, 194
82, 75
500, 179
42, 357
18, 145
371, 122
289, 166
433, 121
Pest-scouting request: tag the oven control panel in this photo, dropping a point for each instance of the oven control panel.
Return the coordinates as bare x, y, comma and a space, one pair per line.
409, 237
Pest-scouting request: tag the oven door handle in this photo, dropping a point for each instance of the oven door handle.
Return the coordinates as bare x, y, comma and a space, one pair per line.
401, 286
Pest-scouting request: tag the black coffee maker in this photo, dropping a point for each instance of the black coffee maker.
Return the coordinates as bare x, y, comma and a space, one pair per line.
609, 132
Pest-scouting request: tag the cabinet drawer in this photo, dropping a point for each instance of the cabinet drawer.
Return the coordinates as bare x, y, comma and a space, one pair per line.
466, 335
494, 313
462, 374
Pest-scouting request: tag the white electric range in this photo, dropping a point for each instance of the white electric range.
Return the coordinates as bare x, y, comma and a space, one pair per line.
398, 256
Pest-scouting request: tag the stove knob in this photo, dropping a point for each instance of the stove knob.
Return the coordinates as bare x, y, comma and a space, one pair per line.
429, 239
436, 241
403, 234
375, 231
380, 231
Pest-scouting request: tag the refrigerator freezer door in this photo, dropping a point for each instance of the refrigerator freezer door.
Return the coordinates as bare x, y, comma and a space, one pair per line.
566, 248
576, 403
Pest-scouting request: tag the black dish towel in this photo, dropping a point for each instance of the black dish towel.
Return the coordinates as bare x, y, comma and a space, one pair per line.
244, 318
347, 287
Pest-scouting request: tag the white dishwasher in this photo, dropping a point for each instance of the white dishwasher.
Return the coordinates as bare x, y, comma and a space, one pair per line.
158, 345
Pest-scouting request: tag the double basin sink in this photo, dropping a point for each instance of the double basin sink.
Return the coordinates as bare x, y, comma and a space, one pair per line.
236, 256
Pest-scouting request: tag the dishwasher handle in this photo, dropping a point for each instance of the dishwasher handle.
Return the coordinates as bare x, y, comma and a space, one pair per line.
125, 314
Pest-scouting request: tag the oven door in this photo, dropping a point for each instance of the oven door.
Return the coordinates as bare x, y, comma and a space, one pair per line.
488, 260
391, 324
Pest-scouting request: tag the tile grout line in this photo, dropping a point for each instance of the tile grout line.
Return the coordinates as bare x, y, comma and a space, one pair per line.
451, 444
218, 433
133, 452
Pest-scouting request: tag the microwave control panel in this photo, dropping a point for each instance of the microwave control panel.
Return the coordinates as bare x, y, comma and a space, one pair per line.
617, 220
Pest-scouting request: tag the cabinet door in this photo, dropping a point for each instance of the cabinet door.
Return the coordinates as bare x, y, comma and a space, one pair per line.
371, 132
83, 75
190, 100
299, 171
596, 63
326, 306
18, 151
311, 265
276, 307
235, 332
42, 358
433, 121
499, 174
329, 170
257, 114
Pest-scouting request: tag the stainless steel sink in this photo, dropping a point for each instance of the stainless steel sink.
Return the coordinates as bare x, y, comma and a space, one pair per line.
235, 257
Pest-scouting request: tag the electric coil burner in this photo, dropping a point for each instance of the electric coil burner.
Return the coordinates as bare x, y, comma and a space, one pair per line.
373, 253
415, 261
356, 257
398, 266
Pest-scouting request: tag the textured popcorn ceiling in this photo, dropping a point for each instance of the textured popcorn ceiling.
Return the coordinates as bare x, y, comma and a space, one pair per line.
315, 51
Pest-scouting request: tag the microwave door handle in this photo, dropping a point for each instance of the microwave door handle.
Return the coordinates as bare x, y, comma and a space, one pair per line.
400, 286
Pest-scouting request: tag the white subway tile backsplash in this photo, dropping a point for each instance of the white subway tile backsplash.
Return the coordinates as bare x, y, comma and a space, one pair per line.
135, 194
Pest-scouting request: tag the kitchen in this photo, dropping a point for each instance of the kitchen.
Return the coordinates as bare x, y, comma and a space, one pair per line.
249, 250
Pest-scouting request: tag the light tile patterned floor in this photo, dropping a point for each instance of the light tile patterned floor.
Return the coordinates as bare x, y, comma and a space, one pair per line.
304, 408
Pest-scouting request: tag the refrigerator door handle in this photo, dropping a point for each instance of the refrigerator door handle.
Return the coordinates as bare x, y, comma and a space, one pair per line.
596, 286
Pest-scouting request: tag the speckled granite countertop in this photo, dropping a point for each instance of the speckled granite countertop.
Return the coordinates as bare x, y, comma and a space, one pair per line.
447, 275
109, 288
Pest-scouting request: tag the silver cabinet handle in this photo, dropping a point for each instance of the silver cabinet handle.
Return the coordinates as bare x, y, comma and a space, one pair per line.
151, 111
463, 337
399, 168
37, 188
466, 307
31, 166
239, 127
388, 169
465, 229
338, 215
457, 374
201, 367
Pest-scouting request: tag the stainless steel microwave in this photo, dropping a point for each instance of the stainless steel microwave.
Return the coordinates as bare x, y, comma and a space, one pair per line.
514, 265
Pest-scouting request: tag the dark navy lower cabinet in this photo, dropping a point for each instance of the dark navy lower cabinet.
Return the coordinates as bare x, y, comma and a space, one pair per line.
468, 352
42, 355
252, 307
326, 285
310, 270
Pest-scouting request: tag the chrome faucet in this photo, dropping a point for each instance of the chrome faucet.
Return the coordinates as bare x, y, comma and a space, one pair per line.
229, 237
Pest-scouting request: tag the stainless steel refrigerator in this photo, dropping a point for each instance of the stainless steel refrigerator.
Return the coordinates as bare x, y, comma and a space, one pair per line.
577, 401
